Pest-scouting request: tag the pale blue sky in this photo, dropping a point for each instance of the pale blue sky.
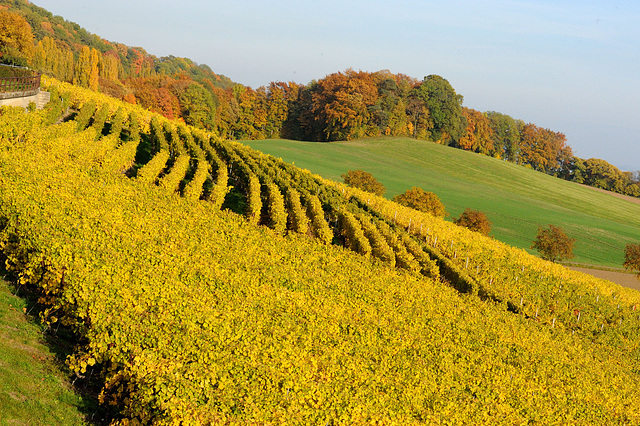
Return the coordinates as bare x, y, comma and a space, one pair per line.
571, 66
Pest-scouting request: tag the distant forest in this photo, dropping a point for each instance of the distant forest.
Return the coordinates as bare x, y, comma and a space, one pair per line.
341, 106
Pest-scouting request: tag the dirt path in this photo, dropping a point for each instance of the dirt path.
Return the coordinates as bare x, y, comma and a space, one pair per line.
626, 280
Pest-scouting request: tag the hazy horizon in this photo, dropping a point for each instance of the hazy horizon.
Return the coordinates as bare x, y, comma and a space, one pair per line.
568, 66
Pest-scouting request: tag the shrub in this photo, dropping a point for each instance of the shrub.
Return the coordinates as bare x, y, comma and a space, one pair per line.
632, 258
475, 221
421, 200
553, 244
363, 180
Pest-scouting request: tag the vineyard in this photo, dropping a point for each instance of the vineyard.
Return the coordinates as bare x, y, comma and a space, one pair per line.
515, 199
208, 283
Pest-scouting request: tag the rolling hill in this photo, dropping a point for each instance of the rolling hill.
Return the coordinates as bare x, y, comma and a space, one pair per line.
303, 302
517, 200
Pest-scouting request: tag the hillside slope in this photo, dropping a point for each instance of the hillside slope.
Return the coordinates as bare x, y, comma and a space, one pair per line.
188, 314
517, 200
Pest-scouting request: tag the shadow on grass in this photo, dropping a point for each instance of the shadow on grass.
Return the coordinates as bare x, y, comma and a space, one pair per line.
62, 342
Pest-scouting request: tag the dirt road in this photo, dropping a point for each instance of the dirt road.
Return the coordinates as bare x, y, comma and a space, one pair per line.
626, 280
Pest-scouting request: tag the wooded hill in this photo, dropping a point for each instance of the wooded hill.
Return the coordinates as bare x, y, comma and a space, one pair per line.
341, 106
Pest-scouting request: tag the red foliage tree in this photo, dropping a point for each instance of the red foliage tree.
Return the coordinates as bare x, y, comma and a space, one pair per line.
475, 221
632, 258
553, 244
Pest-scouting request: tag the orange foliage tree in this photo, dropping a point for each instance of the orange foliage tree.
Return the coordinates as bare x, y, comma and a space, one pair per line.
478, 135
553, 244
474, 220
544, 149
341, 101
16, 39
421, 200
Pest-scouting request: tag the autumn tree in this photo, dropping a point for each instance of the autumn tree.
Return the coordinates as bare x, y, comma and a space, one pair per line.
506, 135
419, 118
601, 174
445, 108
197, 107
421, 200
543, 149
341, 102
251, 113
109, 67
553, 244
478, 135
632, 258
54, 58
363, 180
474, 220
389, 113
16, 39
87, 68
278, 97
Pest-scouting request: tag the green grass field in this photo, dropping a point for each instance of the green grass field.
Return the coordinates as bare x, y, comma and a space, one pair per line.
33, 388
516, 199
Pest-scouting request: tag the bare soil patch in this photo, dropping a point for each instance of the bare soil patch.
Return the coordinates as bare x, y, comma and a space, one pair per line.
624, 279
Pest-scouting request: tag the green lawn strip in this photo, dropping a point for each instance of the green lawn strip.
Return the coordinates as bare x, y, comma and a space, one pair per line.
517, 200
34, 390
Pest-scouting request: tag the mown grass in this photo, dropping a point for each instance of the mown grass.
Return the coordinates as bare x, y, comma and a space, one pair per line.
517, 200
33, 388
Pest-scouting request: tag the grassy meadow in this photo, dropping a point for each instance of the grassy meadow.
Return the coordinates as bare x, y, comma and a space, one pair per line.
34, 390
517, 200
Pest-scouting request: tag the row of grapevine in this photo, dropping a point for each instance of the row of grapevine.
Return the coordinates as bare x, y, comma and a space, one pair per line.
482, 268
189, 317
355, 232
539, 290
525, 293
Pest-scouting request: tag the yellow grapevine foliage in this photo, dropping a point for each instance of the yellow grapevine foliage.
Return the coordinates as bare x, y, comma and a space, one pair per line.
150, 171
171, 181
541, 290
193, 190
194, 316
276, 208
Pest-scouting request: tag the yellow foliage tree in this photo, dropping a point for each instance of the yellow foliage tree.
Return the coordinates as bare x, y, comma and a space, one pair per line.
87, 70
16, 39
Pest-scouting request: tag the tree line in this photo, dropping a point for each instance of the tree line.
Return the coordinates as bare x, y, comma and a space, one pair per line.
341, 106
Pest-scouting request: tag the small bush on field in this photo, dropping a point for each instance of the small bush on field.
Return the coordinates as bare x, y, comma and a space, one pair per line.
475, 221
632, 258
363, 180
553, 244
421, 200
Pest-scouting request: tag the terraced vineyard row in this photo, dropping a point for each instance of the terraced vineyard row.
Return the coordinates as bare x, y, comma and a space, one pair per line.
364, 223
191, 314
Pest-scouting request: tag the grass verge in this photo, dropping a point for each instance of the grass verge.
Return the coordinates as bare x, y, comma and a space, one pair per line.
34, 389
